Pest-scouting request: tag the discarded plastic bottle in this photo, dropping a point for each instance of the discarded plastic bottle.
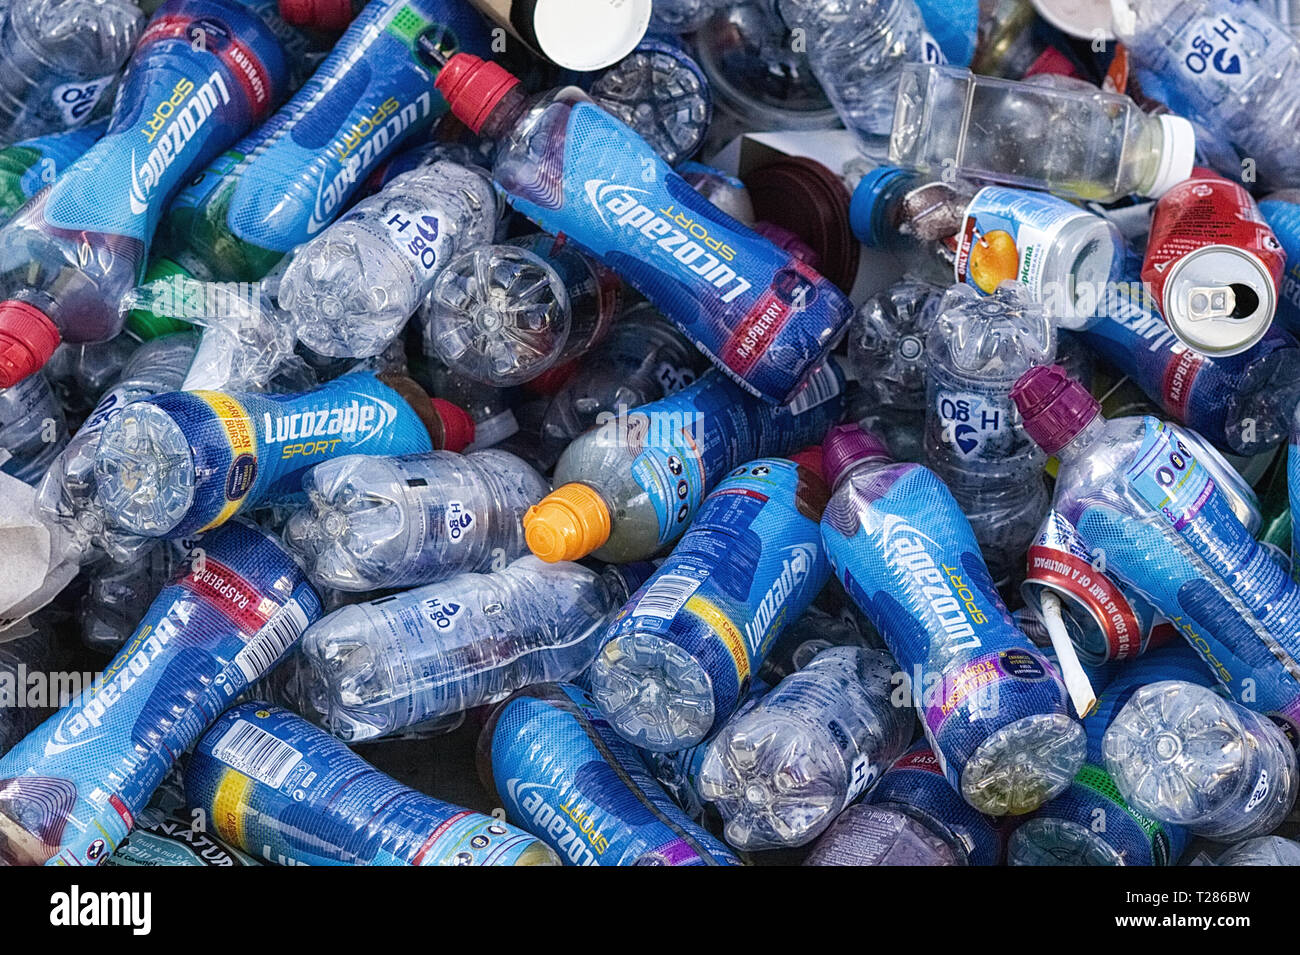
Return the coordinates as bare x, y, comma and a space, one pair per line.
679, 657
1077, 142
119, 594
974, 440
68, 258
633, 484
809, 748
1183, 754
58, 60
351, 289
1143, 501
644, 359
282, 790
33, 430
912, 816
1229, 65
68, 493
887, 342
563, 774
187, 461
472, 639
378, 522
1264, 850
906, 555
289, 178
227, 619
760, 314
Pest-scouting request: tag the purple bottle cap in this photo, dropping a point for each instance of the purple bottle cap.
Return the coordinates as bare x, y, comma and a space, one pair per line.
845, 446
1054, 406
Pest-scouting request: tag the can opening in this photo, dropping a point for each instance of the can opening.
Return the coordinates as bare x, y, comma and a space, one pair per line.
1247, 300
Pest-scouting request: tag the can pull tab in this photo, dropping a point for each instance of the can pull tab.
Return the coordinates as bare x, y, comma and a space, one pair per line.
1205, 302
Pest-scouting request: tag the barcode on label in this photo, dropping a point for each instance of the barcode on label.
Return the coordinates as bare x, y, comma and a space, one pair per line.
254, 752
822, 386
666, 595
285, 626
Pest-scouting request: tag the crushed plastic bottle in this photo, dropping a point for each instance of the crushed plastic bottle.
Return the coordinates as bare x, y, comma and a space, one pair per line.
374, 522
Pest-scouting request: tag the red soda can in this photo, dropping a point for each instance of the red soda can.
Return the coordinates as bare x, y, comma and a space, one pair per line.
1213, 265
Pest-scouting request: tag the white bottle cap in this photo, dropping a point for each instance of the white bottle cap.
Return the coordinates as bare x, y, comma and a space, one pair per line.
587, 35
1177, 154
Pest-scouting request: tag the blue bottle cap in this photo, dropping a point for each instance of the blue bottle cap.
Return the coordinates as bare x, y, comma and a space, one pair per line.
867, 208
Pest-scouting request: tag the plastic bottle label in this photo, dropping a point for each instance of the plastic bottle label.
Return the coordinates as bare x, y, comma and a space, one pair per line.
749, 565
87, 771
252, 448
761, 315
1218, 54
290, 793
75, 101
973, 422
565, 775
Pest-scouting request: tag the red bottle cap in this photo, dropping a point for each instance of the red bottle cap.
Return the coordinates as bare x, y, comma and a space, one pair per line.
457, 425
27, 340
322, 14
473, 88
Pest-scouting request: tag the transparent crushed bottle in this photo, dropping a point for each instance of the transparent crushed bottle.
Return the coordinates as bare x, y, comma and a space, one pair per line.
32, 428
886, 342
118, 595
472, 639
351, 289
644, 359
1227, 64
781, 773
1076, 141
1183, 754
373, 522
68, 494
857, 49
661, 92
59, 59
974, 439
1264, 850
498, 314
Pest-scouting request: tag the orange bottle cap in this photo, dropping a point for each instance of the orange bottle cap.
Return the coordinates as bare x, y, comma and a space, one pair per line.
567, 524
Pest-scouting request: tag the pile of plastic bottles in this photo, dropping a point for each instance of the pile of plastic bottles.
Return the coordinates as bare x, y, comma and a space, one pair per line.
475, 432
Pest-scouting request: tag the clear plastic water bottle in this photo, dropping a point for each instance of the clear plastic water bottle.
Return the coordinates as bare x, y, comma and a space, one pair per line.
644, 359
1183, 754
993, 707
887, 342
1075, 141
781, 773
1228, 64
59, 59
498, 314
974, 440
472, 639
1264, 850
857, 49
32, 428
80, 374
631, 485
374, 522
662, 93
351, 289
68, 494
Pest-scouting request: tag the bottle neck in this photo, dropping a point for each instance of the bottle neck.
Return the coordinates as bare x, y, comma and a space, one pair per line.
864, 468
1081, 444
505, 115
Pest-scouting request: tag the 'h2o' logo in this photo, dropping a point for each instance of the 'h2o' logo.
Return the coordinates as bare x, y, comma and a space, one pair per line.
76, 100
